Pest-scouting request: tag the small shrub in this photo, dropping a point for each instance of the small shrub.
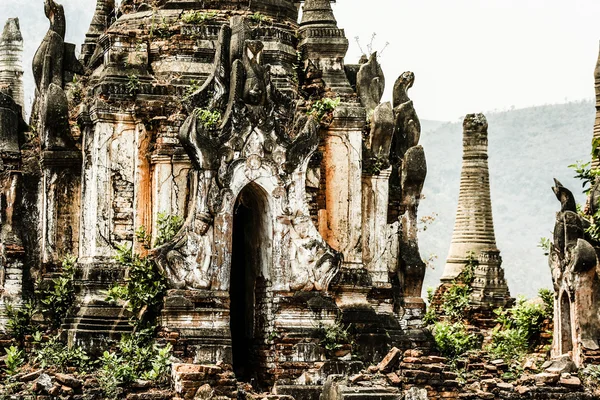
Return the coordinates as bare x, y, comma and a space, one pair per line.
54, 353
452, 339
322, 107
259, 18
136, 357
15, 358
468, 273
335, 337
133, 84
20, 320
198, 17
58, 299
508, 344
586, 174
455, 301
167, 227
545, 244
518, 331
209, 119
192, 88
144, 285
547, 297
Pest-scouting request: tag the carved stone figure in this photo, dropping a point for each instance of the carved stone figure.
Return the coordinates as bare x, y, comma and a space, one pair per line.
408, 126
575, 270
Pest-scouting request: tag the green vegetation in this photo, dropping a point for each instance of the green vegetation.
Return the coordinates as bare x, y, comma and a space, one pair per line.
209, 119
335, 336
321, 108
137, 357
167, 227
585, 174
453, 339
133, 84
519, 327
192, 88
58, 299
144, 286
259, 18
20, 320
56, 354
546, 245
15, 358
198, 17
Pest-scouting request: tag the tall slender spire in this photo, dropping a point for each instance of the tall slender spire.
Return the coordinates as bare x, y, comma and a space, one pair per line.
11, 61
324, 45
100, 22
318, 12
474, 226
596, 140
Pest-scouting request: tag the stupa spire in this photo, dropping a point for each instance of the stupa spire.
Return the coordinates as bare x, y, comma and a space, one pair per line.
474, 227
596, 140
100, 22
11, 61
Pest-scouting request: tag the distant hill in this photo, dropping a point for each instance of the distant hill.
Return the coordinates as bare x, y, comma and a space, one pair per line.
527, 148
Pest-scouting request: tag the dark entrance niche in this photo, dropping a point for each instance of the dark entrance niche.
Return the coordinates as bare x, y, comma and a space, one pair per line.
252, 237
566, 337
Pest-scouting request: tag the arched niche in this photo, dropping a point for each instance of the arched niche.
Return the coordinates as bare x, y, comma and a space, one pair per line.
566, 332
251, 257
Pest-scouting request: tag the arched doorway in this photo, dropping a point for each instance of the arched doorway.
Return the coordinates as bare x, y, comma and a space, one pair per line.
251, 245
566, 336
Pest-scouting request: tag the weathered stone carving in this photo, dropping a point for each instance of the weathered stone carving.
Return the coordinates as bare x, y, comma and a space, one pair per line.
52, 60
370, 83
408, 126
575, 269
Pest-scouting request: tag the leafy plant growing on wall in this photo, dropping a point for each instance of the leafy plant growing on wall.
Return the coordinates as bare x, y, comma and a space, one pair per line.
58, 298
167, 227
321, 108
453, 339
198, 17
145, 285
209, 119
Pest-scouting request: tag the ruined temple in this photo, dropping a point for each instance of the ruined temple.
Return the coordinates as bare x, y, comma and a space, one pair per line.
292, 191
298, 188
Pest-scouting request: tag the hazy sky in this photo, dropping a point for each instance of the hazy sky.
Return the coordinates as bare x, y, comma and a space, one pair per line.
468, 55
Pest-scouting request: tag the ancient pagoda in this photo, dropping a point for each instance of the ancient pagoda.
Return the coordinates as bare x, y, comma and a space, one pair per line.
297, 187
473, 236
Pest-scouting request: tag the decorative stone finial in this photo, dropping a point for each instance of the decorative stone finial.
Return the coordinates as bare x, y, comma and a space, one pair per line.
99, 24
318, 12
